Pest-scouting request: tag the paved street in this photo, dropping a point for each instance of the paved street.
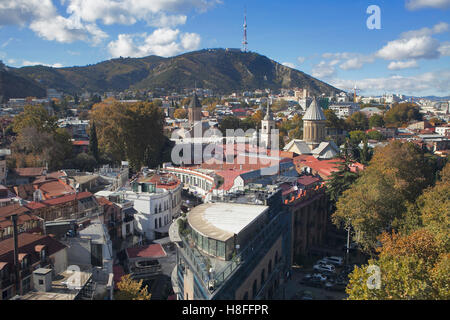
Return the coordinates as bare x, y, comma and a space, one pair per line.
293, 288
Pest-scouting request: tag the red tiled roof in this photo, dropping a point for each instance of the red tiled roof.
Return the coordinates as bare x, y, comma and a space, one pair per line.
27, 245
228, 177
81, 143
70, 197
29, 172
150, 251
54, 188
307, 180
55, 201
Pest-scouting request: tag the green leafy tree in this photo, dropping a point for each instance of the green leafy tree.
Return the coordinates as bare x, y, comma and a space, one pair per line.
357, 121
376, 120
402, 113
341, 179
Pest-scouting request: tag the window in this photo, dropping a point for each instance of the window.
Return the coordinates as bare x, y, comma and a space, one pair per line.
156, 223
269, 271
41, 282
245, 296
263, 277
160, 222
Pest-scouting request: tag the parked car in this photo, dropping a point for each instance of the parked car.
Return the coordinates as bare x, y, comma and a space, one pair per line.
325, 268
319, 276
307, 295
337, 261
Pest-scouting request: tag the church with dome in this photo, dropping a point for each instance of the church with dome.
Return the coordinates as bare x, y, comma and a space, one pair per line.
314, 134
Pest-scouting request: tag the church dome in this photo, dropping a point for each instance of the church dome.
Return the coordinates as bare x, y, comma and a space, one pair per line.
314, 113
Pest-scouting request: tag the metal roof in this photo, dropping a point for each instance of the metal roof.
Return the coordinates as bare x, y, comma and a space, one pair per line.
314, 112
221, 221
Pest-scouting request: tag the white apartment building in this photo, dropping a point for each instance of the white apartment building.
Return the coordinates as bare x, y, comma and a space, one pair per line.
344, 110
157, 200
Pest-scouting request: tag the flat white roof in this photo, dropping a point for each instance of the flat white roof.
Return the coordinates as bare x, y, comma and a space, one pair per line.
223, 220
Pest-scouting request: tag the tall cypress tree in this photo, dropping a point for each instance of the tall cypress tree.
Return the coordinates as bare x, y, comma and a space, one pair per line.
93, 142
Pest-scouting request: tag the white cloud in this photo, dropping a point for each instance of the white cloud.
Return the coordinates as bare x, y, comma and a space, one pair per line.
349, 60
301, 60
444, 49
190, 41
426, 83
289, 64
398, 65
81, 16
162, 42
325, 69
423, 47
420, 4
436, 29
7, 42
31, 63
154, 12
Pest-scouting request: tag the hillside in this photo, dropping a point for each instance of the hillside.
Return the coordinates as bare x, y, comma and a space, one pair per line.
222, 70
14, 86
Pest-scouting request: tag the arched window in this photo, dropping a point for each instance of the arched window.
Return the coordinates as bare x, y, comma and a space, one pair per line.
255, 287
276, 257
269, 269
156, 223
245, 296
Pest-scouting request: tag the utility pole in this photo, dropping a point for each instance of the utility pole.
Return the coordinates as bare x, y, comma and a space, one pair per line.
348, 245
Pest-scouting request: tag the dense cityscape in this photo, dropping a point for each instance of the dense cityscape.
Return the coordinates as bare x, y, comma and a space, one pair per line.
199, 192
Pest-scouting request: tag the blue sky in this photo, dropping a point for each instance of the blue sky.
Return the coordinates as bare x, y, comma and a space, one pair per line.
328, 39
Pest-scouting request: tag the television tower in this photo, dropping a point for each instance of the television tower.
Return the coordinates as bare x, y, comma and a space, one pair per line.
244, 41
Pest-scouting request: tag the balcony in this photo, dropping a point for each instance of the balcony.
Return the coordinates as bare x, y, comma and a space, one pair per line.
252, 253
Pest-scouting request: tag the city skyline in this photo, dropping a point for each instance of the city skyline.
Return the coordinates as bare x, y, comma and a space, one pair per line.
408, 55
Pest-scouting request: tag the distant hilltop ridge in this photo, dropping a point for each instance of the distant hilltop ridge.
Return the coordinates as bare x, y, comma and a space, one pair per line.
222, 70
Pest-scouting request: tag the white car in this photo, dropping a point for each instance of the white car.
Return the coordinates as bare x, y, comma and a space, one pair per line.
337, 261
324, 267
319, 276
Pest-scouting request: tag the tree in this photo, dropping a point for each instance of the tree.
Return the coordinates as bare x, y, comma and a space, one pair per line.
395, 176
341, 179
180, 113
414, 266
130, 289
229, 122
93, 142
376, 120
333, 120
374, 135
366, 153
36, 117
39, 141
124, 132
402, 113
357, 136
357, 121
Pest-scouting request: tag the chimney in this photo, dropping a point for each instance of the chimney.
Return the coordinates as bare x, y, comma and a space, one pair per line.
16, 250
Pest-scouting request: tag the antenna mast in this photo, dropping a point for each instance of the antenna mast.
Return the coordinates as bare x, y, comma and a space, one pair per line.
244, 41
